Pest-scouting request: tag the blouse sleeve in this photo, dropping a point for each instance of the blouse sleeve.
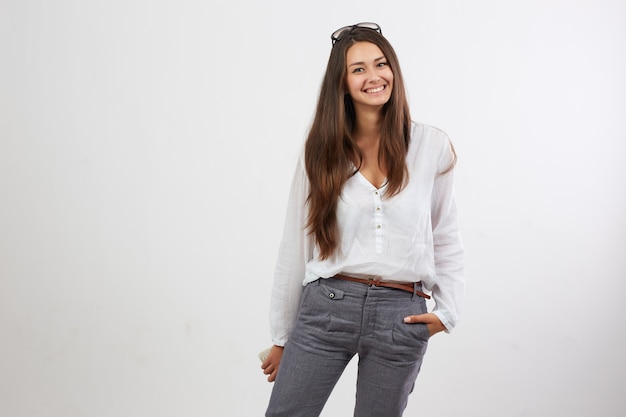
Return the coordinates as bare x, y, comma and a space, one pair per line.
295, 250
448, 291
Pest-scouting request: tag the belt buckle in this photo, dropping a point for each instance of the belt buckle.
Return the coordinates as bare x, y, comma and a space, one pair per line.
373, 281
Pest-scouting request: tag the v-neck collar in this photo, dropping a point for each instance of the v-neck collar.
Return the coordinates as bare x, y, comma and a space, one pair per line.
367, 182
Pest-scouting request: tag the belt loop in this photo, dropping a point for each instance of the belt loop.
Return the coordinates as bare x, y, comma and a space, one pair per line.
414, 291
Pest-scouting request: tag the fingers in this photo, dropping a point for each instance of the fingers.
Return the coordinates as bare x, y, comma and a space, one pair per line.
271, 370
272, 362
421, 318
272, 377
431, 321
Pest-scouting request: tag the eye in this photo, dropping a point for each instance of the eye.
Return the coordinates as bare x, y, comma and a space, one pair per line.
381, 64
354, 71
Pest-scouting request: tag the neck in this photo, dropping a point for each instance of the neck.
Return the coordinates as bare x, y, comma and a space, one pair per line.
367, 126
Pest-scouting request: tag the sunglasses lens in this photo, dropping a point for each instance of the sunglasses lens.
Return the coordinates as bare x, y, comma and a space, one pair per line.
368, 25
337, 34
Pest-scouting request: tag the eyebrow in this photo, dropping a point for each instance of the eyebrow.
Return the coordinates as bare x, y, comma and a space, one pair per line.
363, 63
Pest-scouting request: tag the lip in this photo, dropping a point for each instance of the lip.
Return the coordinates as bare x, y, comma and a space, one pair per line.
375, 90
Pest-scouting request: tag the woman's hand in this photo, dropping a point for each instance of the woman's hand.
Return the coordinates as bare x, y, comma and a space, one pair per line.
270, 365
431, 321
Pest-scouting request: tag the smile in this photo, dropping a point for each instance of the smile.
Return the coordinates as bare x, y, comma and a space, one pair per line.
375, 90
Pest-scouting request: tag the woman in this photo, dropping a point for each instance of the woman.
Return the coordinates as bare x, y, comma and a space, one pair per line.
371, 219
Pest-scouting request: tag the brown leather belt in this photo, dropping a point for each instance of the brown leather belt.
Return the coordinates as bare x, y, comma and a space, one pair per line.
410, 287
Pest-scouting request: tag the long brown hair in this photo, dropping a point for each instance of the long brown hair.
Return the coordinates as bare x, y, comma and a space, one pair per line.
330, 149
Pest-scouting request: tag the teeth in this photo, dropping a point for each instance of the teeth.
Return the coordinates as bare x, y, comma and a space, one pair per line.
376, 90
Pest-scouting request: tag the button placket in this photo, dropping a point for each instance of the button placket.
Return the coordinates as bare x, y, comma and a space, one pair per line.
378, 220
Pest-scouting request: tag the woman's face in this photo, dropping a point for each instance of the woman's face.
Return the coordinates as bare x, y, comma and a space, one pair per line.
369, 78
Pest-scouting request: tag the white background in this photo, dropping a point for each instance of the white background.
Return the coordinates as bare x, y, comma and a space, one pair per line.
146, 150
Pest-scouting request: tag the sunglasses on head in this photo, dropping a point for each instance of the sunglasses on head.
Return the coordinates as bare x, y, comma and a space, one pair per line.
336, 35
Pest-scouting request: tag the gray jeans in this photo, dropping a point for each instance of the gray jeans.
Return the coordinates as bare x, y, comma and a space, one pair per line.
336, 320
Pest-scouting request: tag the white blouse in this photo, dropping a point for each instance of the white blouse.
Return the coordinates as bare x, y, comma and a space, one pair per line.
410, 237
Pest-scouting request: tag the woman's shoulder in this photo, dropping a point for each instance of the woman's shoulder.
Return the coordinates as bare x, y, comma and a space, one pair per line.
423, 134
429, 143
